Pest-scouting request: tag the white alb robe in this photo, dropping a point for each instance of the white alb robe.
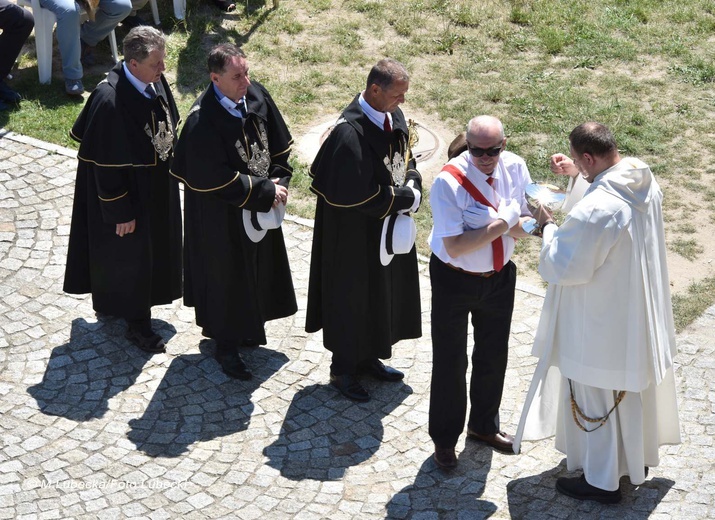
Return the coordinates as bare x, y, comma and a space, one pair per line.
607, 325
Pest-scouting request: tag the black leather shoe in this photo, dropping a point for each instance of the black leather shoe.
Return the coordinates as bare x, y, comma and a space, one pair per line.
132, 21
500, 441
445, 458
382, 372
87, 54
578, 488
350, 387
8, 95
233, 366
151, 342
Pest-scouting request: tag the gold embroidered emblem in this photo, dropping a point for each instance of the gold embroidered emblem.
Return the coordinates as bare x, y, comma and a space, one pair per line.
260, 159
163, 139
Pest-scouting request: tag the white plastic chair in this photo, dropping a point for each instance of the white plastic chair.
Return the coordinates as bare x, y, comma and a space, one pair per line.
45, 21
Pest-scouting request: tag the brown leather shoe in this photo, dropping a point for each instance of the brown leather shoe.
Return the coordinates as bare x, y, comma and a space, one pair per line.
500, 441
445, 457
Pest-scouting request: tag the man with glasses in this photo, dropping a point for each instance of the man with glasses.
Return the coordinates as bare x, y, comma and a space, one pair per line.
477, 205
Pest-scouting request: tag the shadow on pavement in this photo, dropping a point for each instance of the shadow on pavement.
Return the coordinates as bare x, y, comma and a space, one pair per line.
450, 494
196, 401
324, 433
537, 496
95, 365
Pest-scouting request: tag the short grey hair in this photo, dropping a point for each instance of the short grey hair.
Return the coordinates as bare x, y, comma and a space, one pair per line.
386, 72
481, 123
142, 41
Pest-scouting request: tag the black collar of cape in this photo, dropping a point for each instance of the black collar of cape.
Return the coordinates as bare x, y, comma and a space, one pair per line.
255, 105
131, 104
131, 98
356, 117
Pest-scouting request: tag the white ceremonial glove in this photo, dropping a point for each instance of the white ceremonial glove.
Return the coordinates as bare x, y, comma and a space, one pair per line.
509, 213
418, 198
476, 218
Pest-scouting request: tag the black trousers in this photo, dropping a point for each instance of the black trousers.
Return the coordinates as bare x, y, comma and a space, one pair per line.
16, 25
490, 301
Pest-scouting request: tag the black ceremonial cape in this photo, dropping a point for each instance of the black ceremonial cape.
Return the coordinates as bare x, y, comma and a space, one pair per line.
126, 143
362, 306
234, 284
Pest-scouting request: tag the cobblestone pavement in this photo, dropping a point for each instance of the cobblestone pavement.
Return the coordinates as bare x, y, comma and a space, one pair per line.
93, 428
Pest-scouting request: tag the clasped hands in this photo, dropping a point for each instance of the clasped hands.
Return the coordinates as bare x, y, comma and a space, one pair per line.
476, 217
281, 194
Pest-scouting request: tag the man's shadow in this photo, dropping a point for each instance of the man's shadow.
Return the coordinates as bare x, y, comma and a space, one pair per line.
196, 401
455, 492
95, 365
537, 494
324, 433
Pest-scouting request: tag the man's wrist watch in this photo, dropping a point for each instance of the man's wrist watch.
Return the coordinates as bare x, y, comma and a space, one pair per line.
542, 226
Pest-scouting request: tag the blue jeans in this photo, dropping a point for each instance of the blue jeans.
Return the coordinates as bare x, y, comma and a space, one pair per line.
109, 14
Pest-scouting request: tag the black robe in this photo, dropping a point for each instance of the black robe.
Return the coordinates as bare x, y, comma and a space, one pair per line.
234, 284
362, 306
123, 174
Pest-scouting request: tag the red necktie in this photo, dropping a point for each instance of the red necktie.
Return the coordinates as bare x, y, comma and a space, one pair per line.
497, 244
386, 125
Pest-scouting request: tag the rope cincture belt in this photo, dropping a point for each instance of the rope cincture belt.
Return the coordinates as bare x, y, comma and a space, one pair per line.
577, 412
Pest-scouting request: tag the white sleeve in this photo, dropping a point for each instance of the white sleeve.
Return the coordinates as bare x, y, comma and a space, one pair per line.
580, 246
446, 212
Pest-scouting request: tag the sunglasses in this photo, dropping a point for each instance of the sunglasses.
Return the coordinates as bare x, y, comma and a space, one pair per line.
478, 152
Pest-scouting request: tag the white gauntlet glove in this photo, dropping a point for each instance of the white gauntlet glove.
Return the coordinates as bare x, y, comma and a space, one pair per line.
418, 198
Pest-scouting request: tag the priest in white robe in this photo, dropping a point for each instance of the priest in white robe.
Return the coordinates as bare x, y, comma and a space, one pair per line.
604, 382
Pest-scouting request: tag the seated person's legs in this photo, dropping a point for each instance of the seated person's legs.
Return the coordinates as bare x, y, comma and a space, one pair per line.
67, 13
15, 26
109, 14
134, 20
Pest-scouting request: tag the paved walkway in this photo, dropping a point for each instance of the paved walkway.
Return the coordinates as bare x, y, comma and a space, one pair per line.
93, 428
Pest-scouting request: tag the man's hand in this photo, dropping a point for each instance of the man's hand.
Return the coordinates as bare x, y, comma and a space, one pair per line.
542, 215
509, 213
563, 165
281, 194
126, 227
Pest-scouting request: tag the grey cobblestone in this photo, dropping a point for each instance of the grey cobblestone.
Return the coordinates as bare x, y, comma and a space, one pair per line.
93, 428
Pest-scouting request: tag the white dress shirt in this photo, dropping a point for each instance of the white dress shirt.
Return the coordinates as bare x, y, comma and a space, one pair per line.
449, 200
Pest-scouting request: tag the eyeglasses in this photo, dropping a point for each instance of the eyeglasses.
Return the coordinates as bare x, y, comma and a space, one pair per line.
478, 152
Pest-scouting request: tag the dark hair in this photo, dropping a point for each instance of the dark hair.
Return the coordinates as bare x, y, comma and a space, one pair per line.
593, 138
221, 55
142, 41
457, 146
385, 72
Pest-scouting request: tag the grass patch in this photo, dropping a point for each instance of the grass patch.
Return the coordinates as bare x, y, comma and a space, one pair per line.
690, 305
688, 249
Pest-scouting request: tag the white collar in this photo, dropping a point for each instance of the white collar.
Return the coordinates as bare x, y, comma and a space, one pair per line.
138, 84
225, 101
373, 115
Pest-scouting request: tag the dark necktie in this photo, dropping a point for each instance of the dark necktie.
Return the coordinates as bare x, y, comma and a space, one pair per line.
150, 91
386, 125
241, 107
